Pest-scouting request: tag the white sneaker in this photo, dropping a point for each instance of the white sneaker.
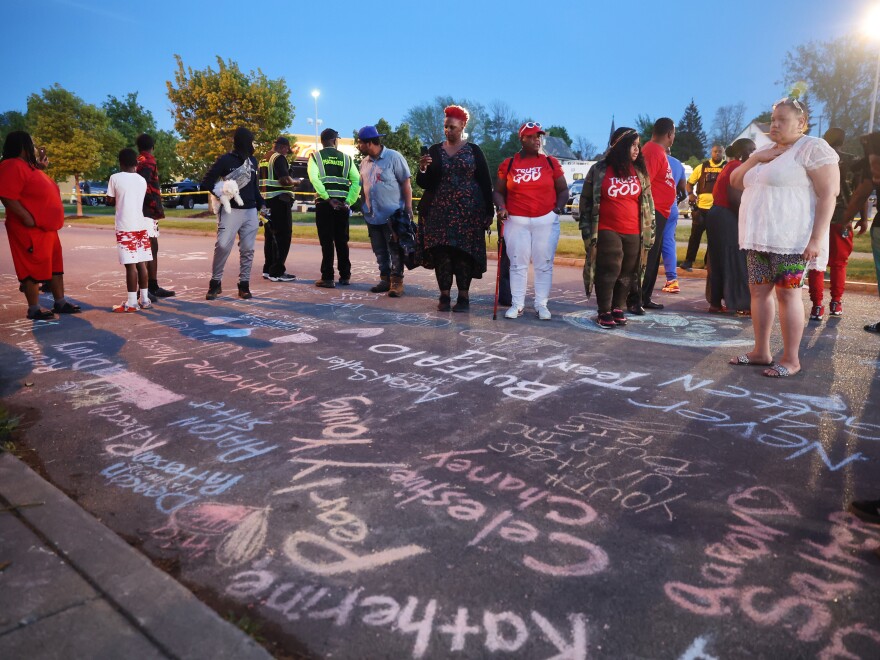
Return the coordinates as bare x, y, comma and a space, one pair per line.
543, 312
513, 313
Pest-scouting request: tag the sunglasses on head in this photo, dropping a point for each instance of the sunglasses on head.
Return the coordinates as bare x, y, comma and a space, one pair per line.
792, 102
532, 124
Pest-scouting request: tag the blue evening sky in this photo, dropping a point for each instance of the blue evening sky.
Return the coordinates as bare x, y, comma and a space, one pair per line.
571, 63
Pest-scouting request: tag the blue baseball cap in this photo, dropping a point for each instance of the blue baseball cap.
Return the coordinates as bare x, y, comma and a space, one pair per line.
368, 133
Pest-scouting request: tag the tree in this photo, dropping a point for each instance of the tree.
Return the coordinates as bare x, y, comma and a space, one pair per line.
77, 135
401, 140
501, 121
560, 132
645, 127
10, 121
584, 149
840, 77
728, 123
131, 119
209, 105
690, 138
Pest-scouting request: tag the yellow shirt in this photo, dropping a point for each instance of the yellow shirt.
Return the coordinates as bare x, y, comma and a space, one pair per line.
704, 200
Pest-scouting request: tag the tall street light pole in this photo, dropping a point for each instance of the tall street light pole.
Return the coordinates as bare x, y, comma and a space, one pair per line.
316, 94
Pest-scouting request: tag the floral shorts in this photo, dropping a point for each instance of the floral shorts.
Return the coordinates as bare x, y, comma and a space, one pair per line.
133, 247
786, 271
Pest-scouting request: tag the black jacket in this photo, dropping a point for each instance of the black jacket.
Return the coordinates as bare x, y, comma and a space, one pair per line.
250, 194
430, 179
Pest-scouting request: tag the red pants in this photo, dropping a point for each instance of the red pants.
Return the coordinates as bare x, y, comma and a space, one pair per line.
839, 249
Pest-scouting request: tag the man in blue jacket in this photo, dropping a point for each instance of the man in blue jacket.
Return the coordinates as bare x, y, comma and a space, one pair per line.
243, 220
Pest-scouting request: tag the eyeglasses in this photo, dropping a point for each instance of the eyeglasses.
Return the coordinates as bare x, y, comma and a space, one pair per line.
792, 102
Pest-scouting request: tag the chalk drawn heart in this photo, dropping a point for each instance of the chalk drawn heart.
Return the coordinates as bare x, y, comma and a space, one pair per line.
362, 333
218, 320
232, 332
298, 338
762, 500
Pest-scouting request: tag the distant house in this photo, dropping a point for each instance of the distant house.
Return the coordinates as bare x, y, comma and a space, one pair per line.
556, 147
757, 132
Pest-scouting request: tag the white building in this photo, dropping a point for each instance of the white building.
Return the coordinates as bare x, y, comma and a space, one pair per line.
757, 132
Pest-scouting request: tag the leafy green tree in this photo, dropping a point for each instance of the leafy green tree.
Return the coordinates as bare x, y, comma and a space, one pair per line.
77, 135
645, 127
426, 120
209, 105
690, 138
399, 139
560, 132
131, 119
496, 151
10, 121
840, 77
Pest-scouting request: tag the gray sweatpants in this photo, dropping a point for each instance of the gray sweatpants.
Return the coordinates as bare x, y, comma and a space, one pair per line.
245, 223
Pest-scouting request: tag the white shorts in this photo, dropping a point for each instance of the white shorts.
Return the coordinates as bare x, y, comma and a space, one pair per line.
152, 227
133, 246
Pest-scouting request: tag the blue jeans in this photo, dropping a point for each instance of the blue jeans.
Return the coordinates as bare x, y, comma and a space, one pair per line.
387, 251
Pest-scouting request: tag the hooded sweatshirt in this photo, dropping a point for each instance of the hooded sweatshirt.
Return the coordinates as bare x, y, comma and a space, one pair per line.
243, 149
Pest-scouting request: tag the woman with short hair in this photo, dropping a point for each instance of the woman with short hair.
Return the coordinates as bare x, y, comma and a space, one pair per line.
530, 195
455, 210
790, 188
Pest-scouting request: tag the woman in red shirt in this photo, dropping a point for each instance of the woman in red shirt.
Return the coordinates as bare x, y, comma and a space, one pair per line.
530, 195
34, 214
728, 276
616, 222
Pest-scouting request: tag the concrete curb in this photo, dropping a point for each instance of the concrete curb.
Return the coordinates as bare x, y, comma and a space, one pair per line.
165, 612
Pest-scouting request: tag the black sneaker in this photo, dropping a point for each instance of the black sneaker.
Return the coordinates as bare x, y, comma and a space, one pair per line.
214, 290
606, 320
686, 265
344, 281
325, 284
867, 510
159, 292
835, 308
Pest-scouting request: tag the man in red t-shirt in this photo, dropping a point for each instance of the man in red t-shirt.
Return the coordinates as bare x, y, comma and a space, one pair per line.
663, 192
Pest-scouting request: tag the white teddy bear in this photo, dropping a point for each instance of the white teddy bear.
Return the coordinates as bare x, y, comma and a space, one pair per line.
225, 190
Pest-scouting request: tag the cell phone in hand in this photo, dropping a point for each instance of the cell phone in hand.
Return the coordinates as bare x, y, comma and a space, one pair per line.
423, 151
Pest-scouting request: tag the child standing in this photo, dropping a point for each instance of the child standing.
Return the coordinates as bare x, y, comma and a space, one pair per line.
126, 191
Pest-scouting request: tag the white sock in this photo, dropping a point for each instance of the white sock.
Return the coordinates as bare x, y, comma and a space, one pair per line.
132, 299
145, 295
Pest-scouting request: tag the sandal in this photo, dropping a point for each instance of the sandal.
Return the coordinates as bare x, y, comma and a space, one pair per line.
778, 371
41, 315
718, 310
745, 360
873, 327
743, 312
66, 308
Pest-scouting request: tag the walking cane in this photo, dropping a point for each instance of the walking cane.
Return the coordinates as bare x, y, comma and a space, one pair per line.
498, 271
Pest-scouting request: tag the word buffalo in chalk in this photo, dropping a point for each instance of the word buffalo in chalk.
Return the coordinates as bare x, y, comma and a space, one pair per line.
575, 557
436, 631
804, 604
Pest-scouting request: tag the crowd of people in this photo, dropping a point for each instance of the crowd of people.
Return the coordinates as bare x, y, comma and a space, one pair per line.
772, 217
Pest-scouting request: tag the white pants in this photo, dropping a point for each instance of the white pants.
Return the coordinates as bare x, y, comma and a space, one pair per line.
535, 240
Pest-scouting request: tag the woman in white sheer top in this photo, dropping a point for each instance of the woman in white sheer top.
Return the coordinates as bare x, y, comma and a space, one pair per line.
790, 188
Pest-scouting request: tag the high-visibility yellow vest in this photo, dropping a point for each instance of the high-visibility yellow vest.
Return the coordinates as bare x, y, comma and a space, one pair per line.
333, 169
269, 185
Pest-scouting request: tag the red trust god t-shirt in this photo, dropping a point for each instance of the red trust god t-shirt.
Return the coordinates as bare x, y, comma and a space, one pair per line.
662, 181
36, 192
619, 207
531, 184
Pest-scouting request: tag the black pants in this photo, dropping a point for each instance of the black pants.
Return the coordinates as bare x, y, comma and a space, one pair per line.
333, 233
698, 226
617, 257
449, 261
652, 265
278, 232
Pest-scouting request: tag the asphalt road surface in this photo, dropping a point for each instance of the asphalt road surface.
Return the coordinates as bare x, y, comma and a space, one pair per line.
365, 477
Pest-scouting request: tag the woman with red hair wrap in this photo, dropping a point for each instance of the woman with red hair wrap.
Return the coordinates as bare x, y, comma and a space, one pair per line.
455, 211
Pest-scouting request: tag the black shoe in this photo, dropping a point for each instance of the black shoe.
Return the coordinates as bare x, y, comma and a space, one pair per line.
244, 290
462, 304
344, 281
66, 308
325, 284
650, 304
443, 305
159, 292
214, 290
152, 296
636, 309
686, 265
41, 315
867, 510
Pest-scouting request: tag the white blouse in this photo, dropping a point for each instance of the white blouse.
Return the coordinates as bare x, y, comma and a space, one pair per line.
778, 206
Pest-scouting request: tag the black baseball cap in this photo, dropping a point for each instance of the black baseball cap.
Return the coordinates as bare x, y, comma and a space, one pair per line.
283, 141
328, 134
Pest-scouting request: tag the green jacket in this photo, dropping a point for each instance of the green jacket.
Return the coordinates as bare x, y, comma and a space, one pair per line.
588, 223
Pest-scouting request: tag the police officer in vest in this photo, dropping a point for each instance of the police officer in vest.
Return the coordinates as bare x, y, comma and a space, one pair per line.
699, 186
337, 183
277, 187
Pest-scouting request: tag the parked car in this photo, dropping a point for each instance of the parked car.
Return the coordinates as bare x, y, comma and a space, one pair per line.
575, 210
172, 198
88, 189
574, 190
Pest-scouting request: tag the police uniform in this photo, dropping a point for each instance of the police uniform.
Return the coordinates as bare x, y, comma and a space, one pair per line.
279, 230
